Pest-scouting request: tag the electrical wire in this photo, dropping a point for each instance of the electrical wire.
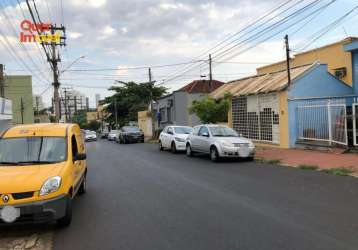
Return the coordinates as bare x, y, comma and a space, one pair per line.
252, 24
11, 25
327, 29
260, 33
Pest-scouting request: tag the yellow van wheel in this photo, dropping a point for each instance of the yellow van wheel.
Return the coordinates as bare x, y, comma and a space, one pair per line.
67, 219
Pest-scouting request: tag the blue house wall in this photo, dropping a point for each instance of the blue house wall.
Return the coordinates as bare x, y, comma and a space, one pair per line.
353, 48
355, 70
315, 84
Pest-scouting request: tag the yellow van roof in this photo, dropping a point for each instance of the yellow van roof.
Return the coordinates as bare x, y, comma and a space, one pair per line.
40, 129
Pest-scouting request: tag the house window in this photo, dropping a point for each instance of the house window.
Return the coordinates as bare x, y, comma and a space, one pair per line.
257, 117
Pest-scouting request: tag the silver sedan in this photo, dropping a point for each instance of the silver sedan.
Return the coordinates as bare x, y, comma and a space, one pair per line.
220, 142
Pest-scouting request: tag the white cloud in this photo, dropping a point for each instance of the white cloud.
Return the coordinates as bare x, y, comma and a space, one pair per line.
108, 30
74, 35
152, 32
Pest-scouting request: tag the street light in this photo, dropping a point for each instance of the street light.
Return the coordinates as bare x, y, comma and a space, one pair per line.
70, 65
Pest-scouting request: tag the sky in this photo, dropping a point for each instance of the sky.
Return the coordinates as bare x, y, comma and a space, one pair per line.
124, 34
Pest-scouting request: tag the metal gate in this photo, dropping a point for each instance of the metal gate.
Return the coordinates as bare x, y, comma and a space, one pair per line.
323, 122
355, 123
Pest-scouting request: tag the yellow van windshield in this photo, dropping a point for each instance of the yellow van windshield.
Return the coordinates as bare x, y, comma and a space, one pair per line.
32, 150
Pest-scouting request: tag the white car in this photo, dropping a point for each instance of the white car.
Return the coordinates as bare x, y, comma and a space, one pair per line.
220, 142
112, 135
174, 138
90, 136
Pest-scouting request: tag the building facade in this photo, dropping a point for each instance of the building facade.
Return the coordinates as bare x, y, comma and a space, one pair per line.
38, 103
268, 109
173, 109
19, 90
5, 114
338, 60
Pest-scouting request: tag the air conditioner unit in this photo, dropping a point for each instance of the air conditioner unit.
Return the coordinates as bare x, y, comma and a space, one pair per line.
340, 73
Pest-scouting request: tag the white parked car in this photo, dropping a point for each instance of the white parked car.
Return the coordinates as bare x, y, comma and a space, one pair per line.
112, 135
220, 142
174, 138
90, 136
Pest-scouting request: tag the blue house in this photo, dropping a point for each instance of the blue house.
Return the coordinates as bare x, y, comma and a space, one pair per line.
310, 110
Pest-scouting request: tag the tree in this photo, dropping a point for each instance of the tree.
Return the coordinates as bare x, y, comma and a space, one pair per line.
80, 117
93, 125
130, 98
210, 110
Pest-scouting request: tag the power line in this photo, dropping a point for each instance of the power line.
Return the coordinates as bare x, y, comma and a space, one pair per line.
270, 28
280, 31
255, 35
327, 29
11, 25
262, 18
134, 68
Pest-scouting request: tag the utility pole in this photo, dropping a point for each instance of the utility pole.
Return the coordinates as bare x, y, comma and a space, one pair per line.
2, 94
66, 113
288, 60
22, 110
210, 73
53, 60
116, 112
150, 75
151, 101
37, 104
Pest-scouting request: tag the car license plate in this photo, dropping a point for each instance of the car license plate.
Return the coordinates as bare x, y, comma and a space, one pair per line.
9, 214
244, 152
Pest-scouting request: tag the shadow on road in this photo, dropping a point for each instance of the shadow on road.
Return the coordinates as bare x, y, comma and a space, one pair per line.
25, 230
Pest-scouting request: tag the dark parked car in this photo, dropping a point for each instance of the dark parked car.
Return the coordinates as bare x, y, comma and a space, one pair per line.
130, 134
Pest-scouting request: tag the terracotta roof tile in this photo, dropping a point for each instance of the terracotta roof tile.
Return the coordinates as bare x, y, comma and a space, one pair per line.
201, 86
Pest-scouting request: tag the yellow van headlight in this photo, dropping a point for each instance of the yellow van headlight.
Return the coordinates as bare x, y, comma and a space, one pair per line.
51, 185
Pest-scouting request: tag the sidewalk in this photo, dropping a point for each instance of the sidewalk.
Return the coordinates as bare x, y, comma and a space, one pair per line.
297, 157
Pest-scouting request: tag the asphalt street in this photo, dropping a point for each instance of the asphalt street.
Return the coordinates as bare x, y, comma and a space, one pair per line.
141, 198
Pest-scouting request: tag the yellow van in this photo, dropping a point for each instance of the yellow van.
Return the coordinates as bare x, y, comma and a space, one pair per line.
42, 168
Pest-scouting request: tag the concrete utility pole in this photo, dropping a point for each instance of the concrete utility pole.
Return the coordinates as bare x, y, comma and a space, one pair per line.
210, 73
116, 112
151, 101
2, 84
37, 104
53, 60
288, 60
65, 101
56, 85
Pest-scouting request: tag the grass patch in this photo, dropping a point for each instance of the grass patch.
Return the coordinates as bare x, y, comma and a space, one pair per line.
308, 167
268, 161
152, 141
274, 161
339, 171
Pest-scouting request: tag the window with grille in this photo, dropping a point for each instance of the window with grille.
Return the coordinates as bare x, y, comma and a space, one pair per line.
257, 117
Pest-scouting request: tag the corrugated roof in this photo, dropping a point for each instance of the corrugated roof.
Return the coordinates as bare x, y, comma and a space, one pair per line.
259, 84
201, 86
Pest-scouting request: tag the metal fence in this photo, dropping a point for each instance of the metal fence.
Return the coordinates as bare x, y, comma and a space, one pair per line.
324, 120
